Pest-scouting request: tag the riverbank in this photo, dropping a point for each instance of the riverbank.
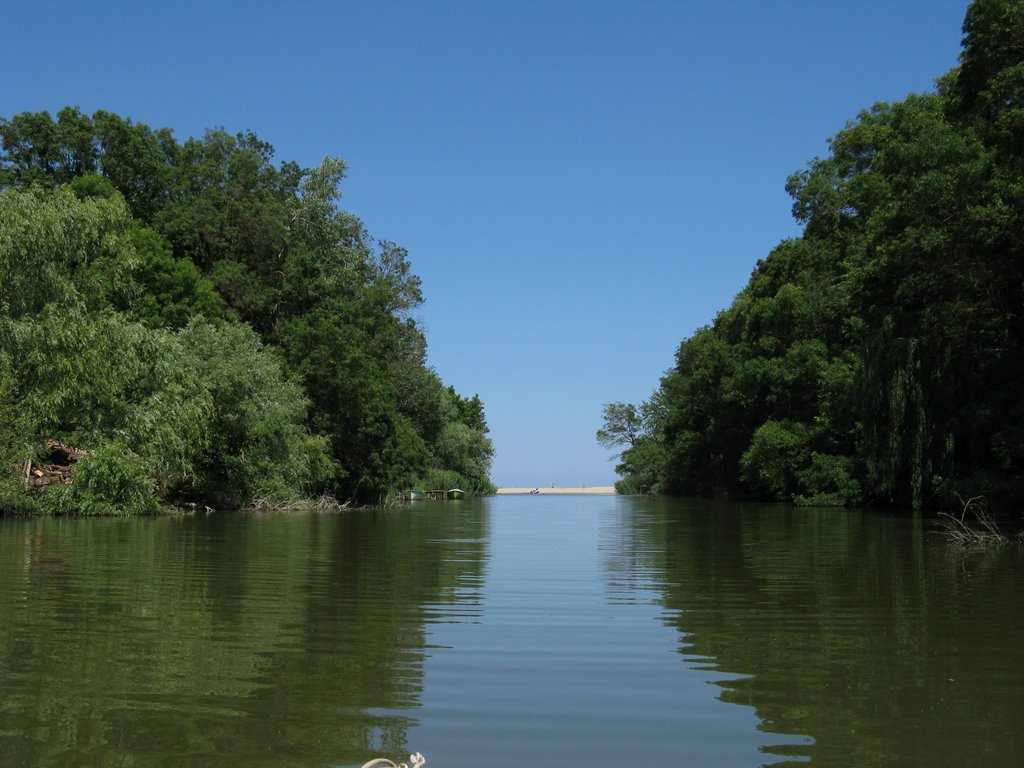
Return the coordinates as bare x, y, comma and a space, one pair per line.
597, 490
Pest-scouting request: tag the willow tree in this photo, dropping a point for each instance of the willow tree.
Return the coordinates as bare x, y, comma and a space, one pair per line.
215, 228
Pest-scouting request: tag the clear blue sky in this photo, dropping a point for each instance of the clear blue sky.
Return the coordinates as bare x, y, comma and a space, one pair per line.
580, 184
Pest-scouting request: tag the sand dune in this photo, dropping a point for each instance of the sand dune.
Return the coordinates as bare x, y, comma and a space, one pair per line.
597, 490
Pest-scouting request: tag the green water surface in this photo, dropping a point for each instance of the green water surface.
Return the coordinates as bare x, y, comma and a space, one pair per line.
510, 631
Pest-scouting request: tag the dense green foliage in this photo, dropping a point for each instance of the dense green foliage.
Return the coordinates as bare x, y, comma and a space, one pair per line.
209, 325
878, 358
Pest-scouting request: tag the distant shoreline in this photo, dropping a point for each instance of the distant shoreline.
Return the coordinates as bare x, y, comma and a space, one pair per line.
597, 490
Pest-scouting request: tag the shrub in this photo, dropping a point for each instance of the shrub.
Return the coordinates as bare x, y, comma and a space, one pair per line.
112, 479
828, 482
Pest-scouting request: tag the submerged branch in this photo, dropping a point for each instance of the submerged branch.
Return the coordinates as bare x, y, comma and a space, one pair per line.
323, 503
975, 526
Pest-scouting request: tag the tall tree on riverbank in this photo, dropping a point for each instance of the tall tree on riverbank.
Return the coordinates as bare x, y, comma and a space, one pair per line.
213, 231
878, 358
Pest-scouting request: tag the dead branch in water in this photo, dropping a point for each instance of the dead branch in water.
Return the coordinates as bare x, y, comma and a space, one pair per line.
975, 526
324, 503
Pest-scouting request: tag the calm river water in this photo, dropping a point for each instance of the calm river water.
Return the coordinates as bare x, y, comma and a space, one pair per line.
509, 631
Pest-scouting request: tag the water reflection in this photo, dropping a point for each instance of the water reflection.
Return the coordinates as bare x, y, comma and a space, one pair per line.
875, 638
225, 640
514, 631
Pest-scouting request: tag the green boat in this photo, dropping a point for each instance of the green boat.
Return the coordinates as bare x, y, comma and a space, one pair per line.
456, 493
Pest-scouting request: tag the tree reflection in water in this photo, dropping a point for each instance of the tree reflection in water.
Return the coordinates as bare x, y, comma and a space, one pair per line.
864, 631
234, 639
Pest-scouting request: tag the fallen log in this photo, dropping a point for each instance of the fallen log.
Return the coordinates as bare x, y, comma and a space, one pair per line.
65, 454
59, 469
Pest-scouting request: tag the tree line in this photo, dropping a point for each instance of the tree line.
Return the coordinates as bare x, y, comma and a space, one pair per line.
209, 325
879, 357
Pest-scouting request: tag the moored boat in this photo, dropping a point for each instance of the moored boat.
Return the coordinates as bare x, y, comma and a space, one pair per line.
456, 493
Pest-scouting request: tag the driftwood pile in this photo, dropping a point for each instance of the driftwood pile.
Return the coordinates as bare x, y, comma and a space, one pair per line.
58, 469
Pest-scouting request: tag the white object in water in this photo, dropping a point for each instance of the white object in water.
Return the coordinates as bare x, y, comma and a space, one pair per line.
416, 760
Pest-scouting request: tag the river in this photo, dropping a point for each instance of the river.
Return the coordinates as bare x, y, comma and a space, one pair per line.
509, 631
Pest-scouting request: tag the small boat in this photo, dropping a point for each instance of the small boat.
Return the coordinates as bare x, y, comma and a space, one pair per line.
415, 495
456, 493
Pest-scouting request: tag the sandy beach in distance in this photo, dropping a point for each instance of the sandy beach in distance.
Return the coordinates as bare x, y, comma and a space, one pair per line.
597, 490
